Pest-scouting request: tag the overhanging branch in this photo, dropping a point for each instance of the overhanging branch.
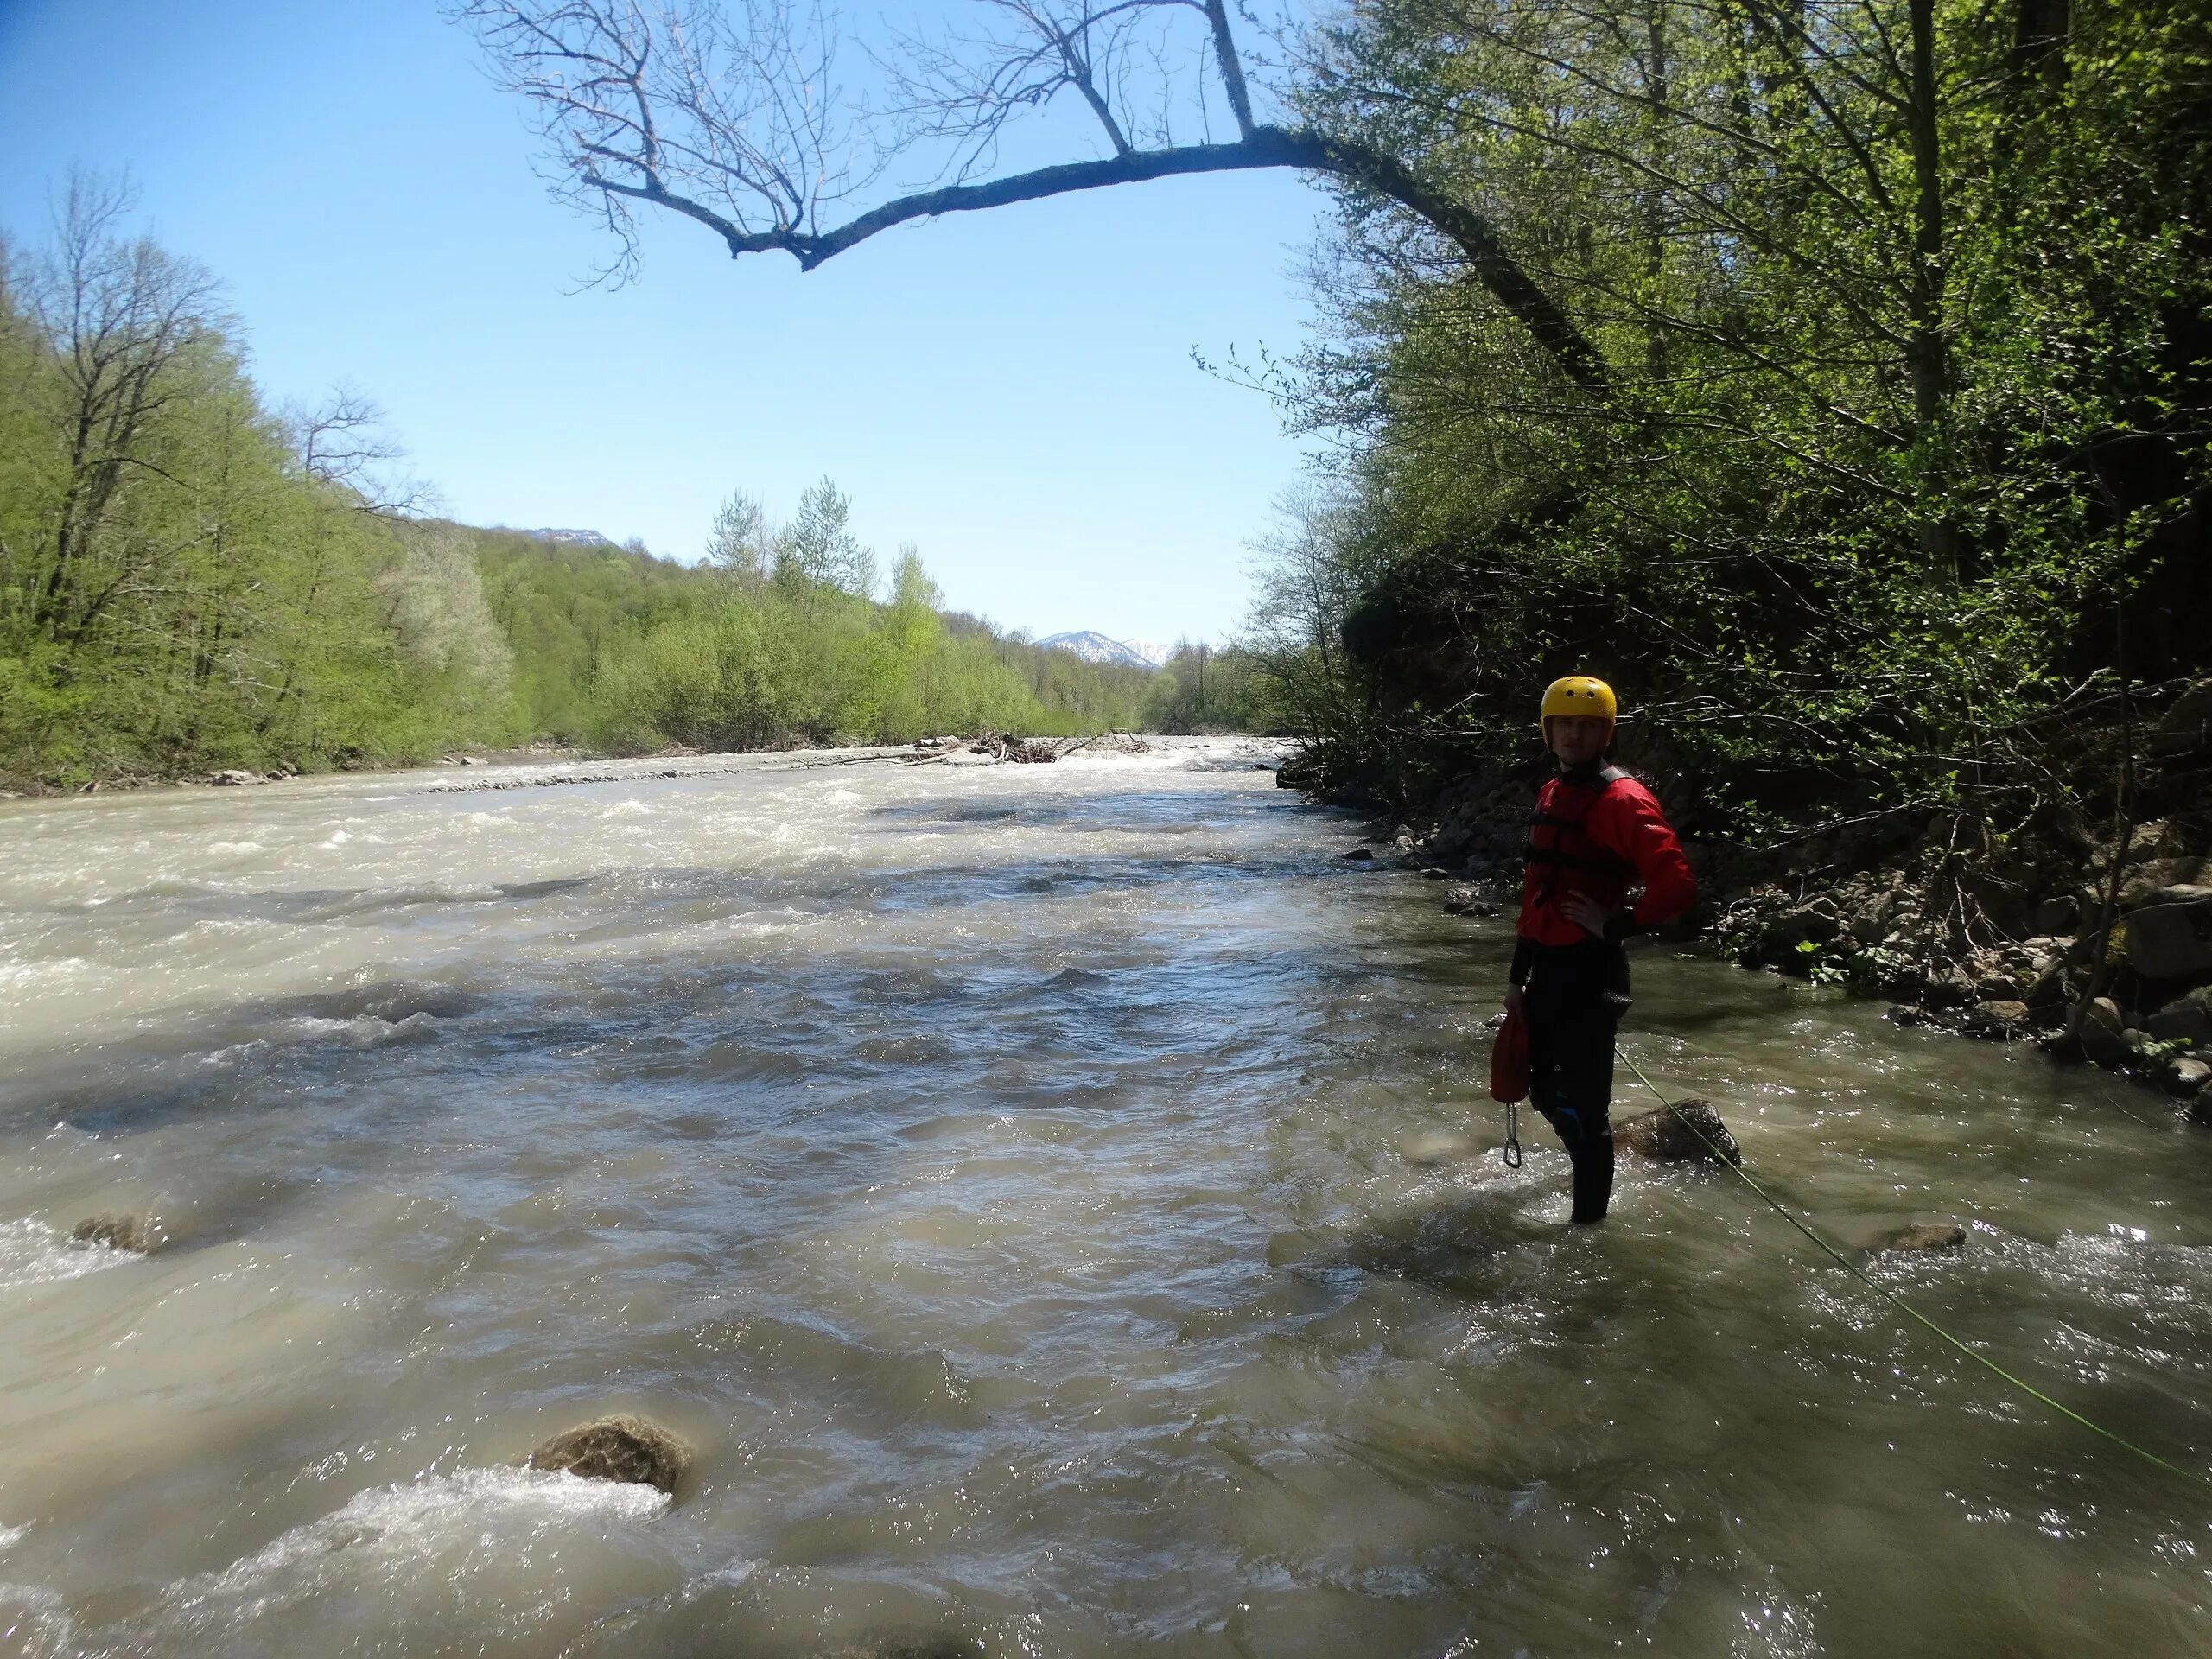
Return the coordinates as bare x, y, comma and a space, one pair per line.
1263, 147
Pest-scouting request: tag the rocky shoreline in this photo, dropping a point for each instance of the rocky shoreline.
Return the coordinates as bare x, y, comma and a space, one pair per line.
2091, 938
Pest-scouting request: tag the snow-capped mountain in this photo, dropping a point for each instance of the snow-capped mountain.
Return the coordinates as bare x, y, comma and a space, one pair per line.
1094, 647
570, 537
1156, 654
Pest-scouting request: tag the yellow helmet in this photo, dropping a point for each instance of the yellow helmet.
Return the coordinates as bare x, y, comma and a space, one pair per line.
1578, 694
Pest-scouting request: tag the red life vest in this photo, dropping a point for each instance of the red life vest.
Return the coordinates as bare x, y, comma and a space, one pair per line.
1561, 857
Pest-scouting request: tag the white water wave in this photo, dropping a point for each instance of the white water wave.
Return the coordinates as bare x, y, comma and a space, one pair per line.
31, 1253
363, 1031
421, 1564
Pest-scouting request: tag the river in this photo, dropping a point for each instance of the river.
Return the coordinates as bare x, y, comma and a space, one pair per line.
1059, 1206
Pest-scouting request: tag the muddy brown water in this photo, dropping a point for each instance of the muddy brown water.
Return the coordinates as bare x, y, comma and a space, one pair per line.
1058, 1206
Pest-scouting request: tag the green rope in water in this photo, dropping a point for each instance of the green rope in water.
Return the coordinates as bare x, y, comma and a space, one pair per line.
1905, 1307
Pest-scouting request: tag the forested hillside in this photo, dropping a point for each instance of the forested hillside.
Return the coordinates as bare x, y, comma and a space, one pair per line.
191, 580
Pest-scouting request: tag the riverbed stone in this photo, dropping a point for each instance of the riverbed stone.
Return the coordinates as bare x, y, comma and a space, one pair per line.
2186, 1078
115, 1232
1924, 1237
1673, 1137
622, 1448
2103, 1038
2186, 1019
2000, 1018
235, 778
1468, 901
1361, 855
2169, 933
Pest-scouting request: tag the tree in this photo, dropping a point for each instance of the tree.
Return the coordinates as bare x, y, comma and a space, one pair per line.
740, 542
818, 548
119, 317
1888, 294
746, 122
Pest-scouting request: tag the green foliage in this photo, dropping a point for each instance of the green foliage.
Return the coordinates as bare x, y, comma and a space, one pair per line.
189, 582
1909, 369
1202, 689
186, 580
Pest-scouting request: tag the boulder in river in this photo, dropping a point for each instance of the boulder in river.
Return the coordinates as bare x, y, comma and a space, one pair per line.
235, 778
1924, 1237
1673, 1136
1361, 855
115, 1232
617, 1448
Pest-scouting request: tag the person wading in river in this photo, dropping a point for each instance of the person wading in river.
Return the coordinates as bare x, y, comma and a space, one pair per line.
1597, 833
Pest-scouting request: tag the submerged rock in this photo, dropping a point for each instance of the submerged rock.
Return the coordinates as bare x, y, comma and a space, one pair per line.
1925, 1236
115, 1232
1468, 901
1673, 1136
1361, 855
617, 1448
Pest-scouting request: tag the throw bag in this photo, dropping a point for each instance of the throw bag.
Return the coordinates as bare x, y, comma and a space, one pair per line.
1509, 1060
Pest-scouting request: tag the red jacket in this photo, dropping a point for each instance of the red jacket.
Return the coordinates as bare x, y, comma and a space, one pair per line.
1599, 831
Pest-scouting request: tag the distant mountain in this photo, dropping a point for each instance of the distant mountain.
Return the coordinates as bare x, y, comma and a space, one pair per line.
1094, 647
1156, 654
570, 537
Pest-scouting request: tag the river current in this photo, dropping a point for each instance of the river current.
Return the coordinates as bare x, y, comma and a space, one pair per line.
1060, 1206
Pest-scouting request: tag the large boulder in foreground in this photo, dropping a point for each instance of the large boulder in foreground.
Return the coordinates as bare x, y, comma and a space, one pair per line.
1672, 1136
617, 1448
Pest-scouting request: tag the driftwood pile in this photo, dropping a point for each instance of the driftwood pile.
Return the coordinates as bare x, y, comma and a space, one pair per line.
1027, 751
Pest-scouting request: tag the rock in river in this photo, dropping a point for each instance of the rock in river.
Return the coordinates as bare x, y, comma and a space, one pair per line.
1673, 1136
617, 1448
1925, 1236
117, 1232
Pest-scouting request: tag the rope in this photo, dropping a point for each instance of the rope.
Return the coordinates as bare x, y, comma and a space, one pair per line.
1905, 1307
1513, 1135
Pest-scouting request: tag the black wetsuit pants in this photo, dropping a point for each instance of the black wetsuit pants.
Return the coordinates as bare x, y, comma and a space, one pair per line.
1576, 995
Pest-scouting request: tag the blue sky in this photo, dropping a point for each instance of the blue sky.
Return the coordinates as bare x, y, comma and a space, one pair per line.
1012, 390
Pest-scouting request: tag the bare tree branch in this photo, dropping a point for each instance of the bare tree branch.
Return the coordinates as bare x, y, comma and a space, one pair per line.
738, 120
